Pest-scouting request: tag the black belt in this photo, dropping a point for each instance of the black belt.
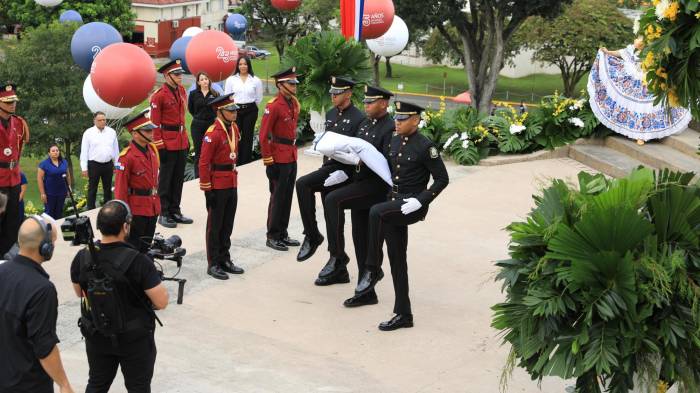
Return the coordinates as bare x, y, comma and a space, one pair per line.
223, 167
9, 164
245, 106
167, 127
283, 141
143, 191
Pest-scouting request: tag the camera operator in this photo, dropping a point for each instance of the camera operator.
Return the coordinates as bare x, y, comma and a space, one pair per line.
137, 289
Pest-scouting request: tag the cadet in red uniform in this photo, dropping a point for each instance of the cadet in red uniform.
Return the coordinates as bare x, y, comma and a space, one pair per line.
14, 133
168, 108
218, 179
278, 133
136, 180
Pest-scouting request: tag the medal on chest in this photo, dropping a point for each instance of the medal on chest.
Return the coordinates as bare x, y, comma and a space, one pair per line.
232, 156
7, 152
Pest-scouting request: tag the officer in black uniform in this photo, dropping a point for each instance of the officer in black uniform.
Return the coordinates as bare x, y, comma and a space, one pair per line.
413, 159
138, 290
344, 118
364, 190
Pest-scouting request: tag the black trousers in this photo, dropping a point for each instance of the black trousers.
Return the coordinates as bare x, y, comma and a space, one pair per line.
307, 186
170, 180
281, 178
221, 208
9, 221
246, 125
386, 222
99, 171
198, 128
141, 232
359, 196
136, 359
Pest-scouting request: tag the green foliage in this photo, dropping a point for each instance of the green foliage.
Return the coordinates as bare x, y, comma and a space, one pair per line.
319, 56
603, 283
115, 12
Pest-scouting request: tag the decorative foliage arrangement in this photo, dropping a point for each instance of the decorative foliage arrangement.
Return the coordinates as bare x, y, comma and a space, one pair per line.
603, 284
671, 56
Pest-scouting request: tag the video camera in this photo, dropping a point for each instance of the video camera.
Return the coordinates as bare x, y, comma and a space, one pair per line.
78, 230
167, 248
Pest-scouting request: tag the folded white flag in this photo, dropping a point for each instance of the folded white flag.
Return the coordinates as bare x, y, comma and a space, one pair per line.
342, 148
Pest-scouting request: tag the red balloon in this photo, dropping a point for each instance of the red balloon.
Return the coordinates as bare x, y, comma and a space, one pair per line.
377, 18
123, 75
213, 52
286, 5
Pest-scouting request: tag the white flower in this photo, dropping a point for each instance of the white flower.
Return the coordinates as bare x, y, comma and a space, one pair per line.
421, 124
577, 122
464, 136
450, 140
635, 26
661, 8
465, 143
516, 128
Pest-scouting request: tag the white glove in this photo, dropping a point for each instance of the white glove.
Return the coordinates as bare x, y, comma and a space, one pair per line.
350, 158
334, 178
317, 137
411, 205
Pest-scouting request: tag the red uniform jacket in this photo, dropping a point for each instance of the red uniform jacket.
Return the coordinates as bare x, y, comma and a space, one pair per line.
219, 148
136, 176
12, 141
279, 124
168, 114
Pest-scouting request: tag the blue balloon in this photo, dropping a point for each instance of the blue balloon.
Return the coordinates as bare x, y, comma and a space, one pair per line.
70, 16
178, 49
236, 24
89, 40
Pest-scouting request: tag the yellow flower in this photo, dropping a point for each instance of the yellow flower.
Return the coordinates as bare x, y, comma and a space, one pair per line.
661, 73
661, 387
663, 86
656, 2
648, 61
697, 15
672, 11
673, 99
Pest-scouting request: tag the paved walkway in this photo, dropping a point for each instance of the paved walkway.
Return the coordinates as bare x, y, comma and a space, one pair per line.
272, 330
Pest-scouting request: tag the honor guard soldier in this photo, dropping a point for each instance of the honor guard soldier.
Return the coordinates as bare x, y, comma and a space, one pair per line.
218, 178
365, 189
14, 133
278, 133
136, 180
343, 118
413, 159
168, 108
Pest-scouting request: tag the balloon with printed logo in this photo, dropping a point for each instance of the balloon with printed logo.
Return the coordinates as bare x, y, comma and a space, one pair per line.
48, 3
286, 5
70, 16
192, 31
96, 104
123, 75
236, 24
377, 17
89, 40
213, 52
393, 41
178, 50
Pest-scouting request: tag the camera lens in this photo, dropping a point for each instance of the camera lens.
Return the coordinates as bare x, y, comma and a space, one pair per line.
174, 241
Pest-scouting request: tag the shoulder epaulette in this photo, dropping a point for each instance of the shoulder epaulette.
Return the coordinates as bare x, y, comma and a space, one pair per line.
211, 128
273, 99
124, 151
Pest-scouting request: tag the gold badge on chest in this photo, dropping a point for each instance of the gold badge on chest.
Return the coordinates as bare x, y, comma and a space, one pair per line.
7, 151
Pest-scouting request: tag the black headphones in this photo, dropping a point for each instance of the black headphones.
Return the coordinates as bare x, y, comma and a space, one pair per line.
46, 245
127, 219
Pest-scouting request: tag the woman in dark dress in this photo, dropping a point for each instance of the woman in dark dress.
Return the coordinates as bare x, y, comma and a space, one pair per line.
202, 114
51, 182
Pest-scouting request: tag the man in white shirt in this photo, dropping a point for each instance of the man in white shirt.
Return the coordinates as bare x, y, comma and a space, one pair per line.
99, 152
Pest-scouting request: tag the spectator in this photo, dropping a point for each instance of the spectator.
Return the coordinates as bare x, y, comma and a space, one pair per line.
51, 181
22, 191
248, 91
30, 360
202, 114
98, 153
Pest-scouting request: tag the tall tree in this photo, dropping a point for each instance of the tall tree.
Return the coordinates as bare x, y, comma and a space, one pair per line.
484, 29
115, 12
50, 86
571, 40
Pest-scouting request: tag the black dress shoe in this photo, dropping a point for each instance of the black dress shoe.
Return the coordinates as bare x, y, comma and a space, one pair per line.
216, 272
397, 322
291, 242
308, 248
229, 267
334, 264
362, 300
340, 276
276, 245
179, 218
369, 279
167, 222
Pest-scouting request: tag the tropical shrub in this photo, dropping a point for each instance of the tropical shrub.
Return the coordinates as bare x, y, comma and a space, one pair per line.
603, 284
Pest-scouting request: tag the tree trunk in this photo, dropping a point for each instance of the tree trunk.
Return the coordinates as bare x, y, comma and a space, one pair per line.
375, 68
388, 67
280, 49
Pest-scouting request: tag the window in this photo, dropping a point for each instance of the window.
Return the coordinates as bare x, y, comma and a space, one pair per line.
196, 10
208, 7
184, 11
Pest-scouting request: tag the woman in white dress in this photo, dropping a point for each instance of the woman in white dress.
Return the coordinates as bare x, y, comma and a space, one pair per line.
620, 100
248, 93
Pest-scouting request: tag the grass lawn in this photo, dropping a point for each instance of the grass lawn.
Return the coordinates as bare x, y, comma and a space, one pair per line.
28, 165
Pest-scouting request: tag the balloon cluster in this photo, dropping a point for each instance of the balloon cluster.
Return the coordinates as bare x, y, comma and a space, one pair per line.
212, 52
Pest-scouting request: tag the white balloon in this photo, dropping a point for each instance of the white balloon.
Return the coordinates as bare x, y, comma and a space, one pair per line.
48, 3
96, 104
393, 41
192, 31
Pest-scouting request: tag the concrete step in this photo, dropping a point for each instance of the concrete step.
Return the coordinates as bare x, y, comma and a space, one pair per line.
655, 154
686, 142
604, 159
